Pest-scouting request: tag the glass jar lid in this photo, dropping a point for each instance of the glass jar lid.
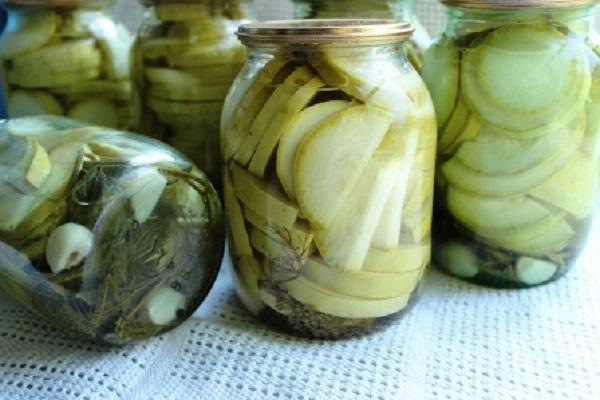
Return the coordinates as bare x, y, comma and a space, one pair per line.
321, 31
519, 3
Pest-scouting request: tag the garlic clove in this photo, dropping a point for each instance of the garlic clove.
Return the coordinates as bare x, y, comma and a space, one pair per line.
144, 190
164, 304
459, 260
67, 246
533, 272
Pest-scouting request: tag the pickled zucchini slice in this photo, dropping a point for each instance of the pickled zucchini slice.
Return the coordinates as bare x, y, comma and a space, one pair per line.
441, 75
27, 103
521, 78
481, 214
62, 57
240, 240
96, 111
368, 285
574, 188
495, 154
345, 242
302, 125
276, 102
460, 176
399, 259
280, 124
30, 33
338, 145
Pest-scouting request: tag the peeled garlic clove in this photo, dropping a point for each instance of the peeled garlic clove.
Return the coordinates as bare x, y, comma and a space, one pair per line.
533, 272
67, 246
459, 260
164, 304
144, 190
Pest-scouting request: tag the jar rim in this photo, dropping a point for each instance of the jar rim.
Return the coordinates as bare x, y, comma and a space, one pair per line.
321, 31
503, 4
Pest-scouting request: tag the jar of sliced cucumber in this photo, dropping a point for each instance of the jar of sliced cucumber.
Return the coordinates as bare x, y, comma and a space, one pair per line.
112, 236
516, 87
185, 58
329, 146
66, 57
402, 10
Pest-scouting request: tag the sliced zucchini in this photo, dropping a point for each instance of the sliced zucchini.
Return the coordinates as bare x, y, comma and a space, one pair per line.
301, 126
96, 111
339, 146
28, 33
27, 103
344, 243
441, 72
524, 77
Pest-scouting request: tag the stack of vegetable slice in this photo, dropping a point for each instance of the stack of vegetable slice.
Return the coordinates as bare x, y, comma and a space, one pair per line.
70, 61
329, 188
519, 150
184, 70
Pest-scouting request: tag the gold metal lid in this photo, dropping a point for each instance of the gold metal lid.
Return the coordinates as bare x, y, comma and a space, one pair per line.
519, 3
321, 31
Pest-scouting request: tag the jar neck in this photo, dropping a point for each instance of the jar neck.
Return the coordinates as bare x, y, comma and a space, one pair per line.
579, 18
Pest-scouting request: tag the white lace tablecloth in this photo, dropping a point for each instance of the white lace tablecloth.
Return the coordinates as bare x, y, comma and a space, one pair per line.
461, 341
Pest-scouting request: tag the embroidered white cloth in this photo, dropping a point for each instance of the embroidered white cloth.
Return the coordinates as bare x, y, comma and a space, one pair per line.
461, 341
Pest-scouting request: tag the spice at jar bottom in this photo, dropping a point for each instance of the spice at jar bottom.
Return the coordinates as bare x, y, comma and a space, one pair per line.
329, 157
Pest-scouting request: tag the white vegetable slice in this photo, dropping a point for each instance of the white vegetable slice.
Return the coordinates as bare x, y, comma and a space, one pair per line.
339, 305
441, 75
368, 285
237, 228
115, 42
182, 11
27, 103
301, 125
46, 79
27, 33
344, 243
280, 123
96, 111
387, 233
188, 93
228, 50
72, 55
248, 272
143, 187
398, 260
333, 157
273, 105
523, 77
457, 174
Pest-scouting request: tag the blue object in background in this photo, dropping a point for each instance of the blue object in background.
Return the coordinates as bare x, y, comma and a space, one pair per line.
3, 14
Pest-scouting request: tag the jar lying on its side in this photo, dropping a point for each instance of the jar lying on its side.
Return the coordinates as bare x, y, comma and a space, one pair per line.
67, 58
185, 58
329, 143
112, 236
401, 10
516, 86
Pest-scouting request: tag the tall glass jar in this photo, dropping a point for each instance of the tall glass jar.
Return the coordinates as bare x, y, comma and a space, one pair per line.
185, 58
516, 86
402, 10
66, 57
328, 140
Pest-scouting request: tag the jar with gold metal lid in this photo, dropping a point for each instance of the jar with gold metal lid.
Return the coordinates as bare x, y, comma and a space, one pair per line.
402, 10
66, 57
185, 58
516, 87
328, 139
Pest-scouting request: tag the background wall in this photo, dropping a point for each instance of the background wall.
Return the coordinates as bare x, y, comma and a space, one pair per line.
430, 12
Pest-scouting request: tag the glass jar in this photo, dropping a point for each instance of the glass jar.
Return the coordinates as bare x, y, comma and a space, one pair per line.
185, 58
66, 58
516, 86
402, 10
112, 236
329, 146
